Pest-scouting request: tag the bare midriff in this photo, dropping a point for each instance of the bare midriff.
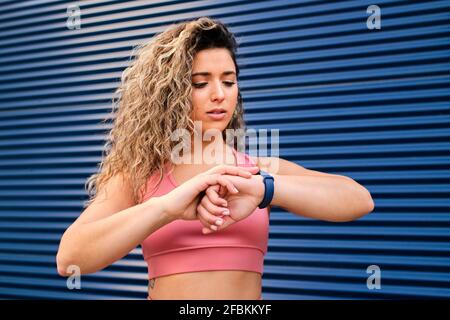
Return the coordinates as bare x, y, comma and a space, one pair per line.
207, 285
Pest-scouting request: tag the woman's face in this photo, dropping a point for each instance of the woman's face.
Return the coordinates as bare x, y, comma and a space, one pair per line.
214, 88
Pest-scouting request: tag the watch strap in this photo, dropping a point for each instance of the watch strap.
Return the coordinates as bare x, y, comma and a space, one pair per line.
269, 188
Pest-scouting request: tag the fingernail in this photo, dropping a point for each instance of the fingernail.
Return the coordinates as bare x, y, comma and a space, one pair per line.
219, 222
226, 212
236, 190
214, 228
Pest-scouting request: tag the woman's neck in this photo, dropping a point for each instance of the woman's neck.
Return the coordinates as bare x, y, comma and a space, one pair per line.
213, 152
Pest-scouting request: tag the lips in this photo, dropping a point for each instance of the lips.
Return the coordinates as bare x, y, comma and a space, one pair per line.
216, 111
217, 114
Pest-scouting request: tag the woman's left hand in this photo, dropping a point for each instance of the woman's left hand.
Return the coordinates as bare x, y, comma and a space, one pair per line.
239, 205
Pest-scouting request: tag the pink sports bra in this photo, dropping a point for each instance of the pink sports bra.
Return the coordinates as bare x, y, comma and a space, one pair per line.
180, 246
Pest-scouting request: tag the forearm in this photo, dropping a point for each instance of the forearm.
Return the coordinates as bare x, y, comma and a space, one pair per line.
333, 199
95, 245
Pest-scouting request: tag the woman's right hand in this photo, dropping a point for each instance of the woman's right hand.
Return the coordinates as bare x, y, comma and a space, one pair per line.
181, 203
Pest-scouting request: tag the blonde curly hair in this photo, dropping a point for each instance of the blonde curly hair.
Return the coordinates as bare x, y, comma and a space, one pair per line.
153, 100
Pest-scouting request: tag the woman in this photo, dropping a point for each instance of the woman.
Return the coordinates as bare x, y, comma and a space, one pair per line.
202, 224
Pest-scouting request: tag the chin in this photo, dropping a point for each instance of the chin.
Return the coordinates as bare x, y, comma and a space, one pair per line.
214, 127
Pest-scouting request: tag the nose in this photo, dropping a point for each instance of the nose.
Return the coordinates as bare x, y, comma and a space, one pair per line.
217, 91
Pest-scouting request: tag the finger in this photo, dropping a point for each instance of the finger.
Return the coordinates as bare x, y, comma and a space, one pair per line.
214, 209
227, 222
204, 181
211, 220
222, 192
245, 172
207, 228
214, 188
227, 183
206, 225
213, 196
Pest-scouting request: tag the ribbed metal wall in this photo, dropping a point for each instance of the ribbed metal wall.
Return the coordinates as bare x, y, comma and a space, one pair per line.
369, 104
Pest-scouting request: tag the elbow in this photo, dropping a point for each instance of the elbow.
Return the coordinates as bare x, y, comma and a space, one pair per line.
62, 265
73, 263
366, 203
364, 207
64, 257
67, 263
367, 206
369, 203
68, 267
68, 257
371, 206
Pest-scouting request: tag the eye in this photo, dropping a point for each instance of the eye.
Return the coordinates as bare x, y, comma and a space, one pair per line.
201, 85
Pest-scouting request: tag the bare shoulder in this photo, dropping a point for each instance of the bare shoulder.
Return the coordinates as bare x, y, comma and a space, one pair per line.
280, 166
115, 196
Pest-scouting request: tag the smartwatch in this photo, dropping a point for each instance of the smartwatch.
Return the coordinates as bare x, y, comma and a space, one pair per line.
268, 189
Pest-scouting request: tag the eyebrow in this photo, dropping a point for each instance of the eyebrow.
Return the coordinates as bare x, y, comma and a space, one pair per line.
209, 73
